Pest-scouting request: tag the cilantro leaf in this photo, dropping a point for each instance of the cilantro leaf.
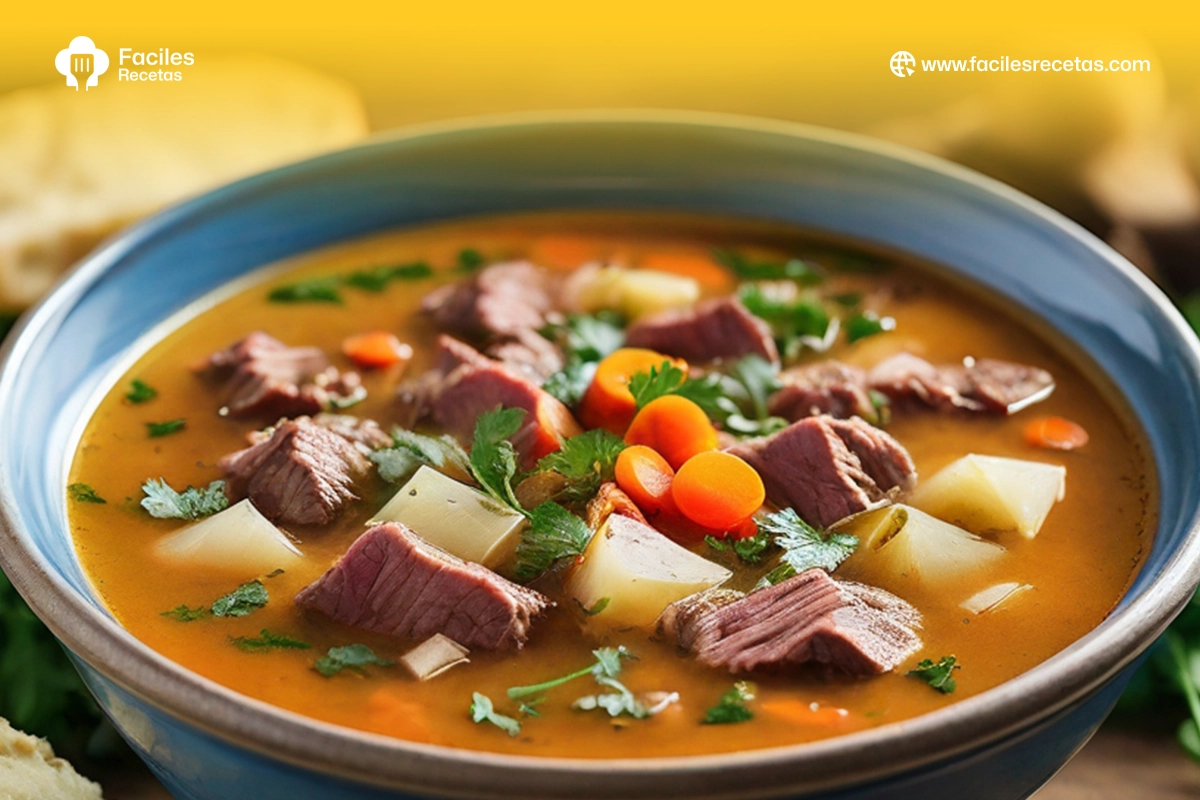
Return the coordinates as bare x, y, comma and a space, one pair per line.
493, 459
242, 601
553, 533
163, 502
804, 547
182, 613
868, 323
470, 260
749, 550
267, 641
159, 429
606, 665
410, 450
797, 321
586, 461
792, 269
731, 708
140, 392
82, 493
352, 656
667, 379
376, 279
313, 290
937, 675
585, 340
482, 710
747, 389
570, 383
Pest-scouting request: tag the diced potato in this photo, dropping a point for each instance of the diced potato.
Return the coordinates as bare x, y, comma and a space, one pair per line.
457, 518
435, 655
901, 547
630, 573
993, 597
239, 539
636, 292
988, 494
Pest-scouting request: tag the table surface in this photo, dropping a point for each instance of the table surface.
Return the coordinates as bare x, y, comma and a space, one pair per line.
1116, 765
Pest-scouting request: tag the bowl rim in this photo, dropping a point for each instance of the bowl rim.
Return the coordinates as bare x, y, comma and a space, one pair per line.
374, 759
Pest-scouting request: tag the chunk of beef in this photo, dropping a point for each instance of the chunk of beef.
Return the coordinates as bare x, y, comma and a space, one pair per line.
984, 385
393, 582
501, 299
825, 387
302, 474
827, 468
808, 618
265, 378
528, 353
364, 434
721, 328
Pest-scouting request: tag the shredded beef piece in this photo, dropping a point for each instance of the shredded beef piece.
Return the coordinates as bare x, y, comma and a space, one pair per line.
827, 468
811, 617
393, 582
825, 387
302, 474
265, 378
721, 328
503, 299
528, 353
984, 385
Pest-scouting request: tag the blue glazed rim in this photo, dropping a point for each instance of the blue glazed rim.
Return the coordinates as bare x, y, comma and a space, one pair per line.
986, 719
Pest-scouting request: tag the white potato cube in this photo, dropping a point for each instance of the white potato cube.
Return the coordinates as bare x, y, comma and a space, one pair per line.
239, 539
901, 547
635, 292
457, 518
993, 597
988, 494
630, 573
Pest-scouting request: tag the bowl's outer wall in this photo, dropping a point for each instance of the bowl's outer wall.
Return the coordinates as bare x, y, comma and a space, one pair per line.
1000, 241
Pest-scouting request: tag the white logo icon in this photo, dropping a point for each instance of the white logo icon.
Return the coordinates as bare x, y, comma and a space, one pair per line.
82, 60
902, 64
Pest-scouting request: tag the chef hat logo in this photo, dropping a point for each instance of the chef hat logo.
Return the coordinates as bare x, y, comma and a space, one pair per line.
82, 59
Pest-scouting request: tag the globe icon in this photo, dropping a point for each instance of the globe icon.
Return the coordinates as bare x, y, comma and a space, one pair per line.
902, 64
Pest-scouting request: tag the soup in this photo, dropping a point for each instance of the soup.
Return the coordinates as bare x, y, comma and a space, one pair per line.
670, 460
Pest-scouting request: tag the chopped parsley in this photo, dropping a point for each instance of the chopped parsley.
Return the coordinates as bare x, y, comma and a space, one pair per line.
585, 340
242, 601
313, 290
748, 550
569, 384
469, 260
267, 641
798, 321
731, 708
792, 269
352, 656
82, 493
553, 533
482, 710
410, 450
377, 279
868, 323
747, 388
938, 675
140, 392
493, 460
607, 664
183, 613
159, 429
667, 379
586, 461
804, 547
325, 288
163, 502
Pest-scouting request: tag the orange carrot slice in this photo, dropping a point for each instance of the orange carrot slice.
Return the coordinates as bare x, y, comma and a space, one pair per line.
376, 350
646, 477
717, 490
1055, 433
674, 426
608, 403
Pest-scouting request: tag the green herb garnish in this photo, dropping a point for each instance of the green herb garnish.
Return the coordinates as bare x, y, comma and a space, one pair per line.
313, 290
493, 459
585, 340
792, 269
482, 710
377, 279
242, 601
553, 534
597, 606
163, 502
82, 493
804, 547
410, 450
937, 675
798, 322
182, 613
158, 429
667, 379
868, 323
747, 389
140, 392
469, 260
267, 641
586, 461
749, 550
607, 664
352, 656
731, 708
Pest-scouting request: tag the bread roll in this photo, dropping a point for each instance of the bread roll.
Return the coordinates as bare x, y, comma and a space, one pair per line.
29, 770
75, 166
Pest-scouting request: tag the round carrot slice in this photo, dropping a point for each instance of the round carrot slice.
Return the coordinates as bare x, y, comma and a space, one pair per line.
674, 426
646, 477
376, 350
608, 403
717, 490
1055, 433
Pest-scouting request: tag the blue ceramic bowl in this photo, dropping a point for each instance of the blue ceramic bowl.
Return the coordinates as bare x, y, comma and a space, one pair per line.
208, 743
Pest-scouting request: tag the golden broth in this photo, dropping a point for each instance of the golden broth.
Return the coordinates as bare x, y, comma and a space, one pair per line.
1080, 564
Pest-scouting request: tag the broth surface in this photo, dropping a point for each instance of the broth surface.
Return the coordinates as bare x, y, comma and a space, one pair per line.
1079, 565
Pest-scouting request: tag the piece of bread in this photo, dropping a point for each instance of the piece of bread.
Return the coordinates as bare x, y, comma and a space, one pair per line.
29, 770
74, 166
